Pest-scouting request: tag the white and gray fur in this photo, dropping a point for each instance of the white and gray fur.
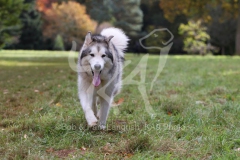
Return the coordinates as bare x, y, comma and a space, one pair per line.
104, 54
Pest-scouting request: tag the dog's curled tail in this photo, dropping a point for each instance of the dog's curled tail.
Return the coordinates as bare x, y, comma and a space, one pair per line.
120, 40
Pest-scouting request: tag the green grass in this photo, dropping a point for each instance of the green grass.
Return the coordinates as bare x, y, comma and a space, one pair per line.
196, 101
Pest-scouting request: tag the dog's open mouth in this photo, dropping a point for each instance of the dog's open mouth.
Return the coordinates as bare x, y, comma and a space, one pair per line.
96, 78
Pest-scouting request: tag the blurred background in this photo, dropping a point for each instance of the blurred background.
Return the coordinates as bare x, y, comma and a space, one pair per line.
199, 26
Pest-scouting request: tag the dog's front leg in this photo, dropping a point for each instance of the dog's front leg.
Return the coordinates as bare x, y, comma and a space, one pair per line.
86, 102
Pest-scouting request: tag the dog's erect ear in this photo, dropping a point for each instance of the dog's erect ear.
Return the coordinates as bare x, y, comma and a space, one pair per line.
107, 39
88, 38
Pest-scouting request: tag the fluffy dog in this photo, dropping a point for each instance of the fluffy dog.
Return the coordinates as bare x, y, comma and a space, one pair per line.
100, 72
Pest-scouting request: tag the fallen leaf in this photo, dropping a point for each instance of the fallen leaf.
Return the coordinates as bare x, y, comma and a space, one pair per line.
64, 152
40, 109
118, 121
25, 136
5, 91
179, 84
83, 149
50, 150
83, 152
169, 113
171, 92
229, 97
105, 155
58, 104
129, 155
107, 148
119, 102
51, 102
222, 101
201, 102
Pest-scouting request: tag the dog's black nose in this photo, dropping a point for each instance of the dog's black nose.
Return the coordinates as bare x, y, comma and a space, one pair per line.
97, 66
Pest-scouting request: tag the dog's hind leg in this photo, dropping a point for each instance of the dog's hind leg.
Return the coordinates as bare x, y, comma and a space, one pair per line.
94, 105
103, 112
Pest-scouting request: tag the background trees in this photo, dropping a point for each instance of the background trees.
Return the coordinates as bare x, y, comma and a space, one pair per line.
45, 21
128, 16
222, 31
206, 10
10, 23
31, 33
69, 20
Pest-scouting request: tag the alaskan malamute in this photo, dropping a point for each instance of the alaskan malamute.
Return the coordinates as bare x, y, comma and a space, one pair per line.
100, 72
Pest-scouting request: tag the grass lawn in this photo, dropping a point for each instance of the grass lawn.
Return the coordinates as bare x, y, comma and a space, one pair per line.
196, 101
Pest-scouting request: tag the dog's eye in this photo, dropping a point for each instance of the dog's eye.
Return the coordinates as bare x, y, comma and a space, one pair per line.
103, 55
92, 55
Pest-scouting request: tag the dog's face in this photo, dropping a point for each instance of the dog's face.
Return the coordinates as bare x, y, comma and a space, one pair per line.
97, 57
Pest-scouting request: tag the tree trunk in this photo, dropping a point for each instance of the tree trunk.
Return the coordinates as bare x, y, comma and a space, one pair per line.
237, 43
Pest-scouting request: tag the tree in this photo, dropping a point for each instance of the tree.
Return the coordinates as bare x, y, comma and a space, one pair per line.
69, 20
201, 9
222, 32
196, 39
128, 16
100, 11
124, 14
237, 43
58, 43
154, 18
31, 34
10, 23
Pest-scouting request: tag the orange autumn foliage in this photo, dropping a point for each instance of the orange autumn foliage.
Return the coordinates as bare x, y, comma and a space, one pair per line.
68, 19
43, 5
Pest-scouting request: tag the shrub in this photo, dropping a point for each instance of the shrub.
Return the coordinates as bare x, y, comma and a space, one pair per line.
196, 38
58, 43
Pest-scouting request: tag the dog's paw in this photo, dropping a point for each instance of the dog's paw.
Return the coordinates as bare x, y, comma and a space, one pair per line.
92, 121
102, 127
93, 124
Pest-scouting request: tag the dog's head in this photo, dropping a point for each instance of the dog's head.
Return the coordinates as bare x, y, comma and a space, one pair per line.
97, 56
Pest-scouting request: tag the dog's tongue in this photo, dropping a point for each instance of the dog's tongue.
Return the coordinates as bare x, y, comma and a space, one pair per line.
96, 79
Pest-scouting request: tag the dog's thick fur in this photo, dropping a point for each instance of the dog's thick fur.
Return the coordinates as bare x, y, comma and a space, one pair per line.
100, 72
